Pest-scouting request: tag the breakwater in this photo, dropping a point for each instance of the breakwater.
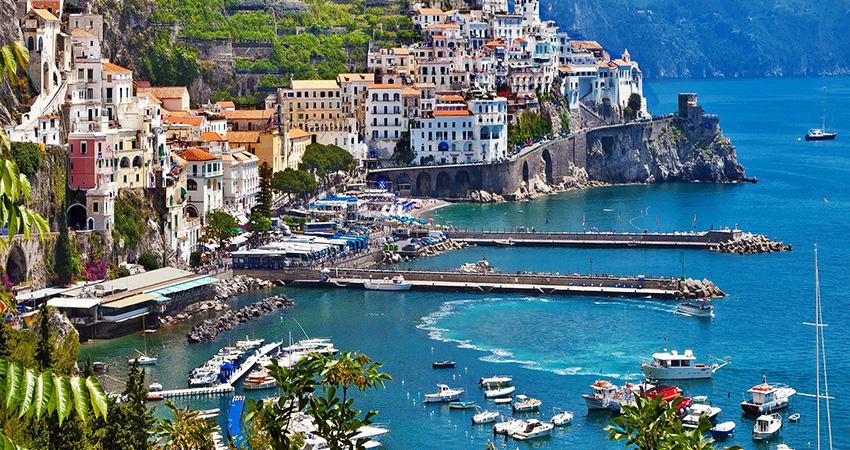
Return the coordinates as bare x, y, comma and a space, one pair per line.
521, 282
749, 243
207, 330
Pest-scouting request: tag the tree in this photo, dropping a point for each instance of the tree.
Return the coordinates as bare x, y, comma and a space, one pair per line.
331, 408
326, 159
294, 182
149, 261
403, 152
131, 422
221, 227
655, 424
259, 225
264, 197
186, 431
169, 64
529, 125
633, 106
64, 255
44, 349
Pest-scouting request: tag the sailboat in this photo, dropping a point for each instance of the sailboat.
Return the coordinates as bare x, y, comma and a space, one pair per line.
820, 363
143, 359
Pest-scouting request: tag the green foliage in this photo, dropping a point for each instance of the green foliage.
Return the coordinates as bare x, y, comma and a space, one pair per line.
130, 422
264, 197
322, 388
27, 156
221, 227
403, 152
186, 431
655, 424
130, 223
149, 261
565, 121
64, 257
44, 349
259, 223
195, 259
294, 182
167, 64
529, 125
326, 159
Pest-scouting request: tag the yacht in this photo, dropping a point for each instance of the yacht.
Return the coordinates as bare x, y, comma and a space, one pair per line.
525, 404
767, 426
767, 398
259, 379
533, 429
819, 134
485, 417
395, 283
695, 309
499, 392
155, 387
249, 344
674, 366
443, 394
202, 378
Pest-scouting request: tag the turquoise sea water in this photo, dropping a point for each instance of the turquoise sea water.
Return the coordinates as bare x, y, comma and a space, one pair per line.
556, 346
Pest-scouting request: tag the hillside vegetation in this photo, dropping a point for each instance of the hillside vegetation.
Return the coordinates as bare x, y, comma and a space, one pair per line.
683, 38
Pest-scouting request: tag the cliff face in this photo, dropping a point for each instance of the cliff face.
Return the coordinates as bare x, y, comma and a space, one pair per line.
9, 102
668, 150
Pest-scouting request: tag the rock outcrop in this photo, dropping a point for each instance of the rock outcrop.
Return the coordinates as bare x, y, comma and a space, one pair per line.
749, 243
700, 289
207, 330
240, 284
9, 32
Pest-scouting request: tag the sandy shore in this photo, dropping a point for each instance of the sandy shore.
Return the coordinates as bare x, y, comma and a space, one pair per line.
428, 205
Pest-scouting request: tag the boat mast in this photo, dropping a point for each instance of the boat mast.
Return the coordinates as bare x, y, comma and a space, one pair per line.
820, 360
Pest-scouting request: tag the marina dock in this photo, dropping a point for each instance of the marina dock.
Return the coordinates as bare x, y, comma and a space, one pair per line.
702, 240
529, 283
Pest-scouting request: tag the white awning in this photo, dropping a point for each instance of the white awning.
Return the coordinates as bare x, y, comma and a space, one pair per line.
73, 303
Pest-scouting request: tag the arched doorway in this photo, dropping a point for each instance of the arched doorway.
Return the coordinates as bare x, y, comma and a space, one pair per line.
76, 217
16, 265
525, 176
402, 182
547, 161
90, 225
192, 212
423, 184
462, 183
444, 185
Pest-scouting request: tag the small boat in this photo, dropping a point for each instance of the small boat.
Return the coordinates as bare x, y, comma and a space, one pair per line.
395, 283
485, 417
562, 418
533, 429
445, 364
767, 398
699, 308
154, 387
154, 396
607, 396
259, 379
697, 411
248, 344
722, 430
819, 134
504, 242
462, 405
495, 381
701, 399
502, 400
143, 360
501, 392
525, 404
443, 394
674, 366
509, 427
783, 447
202, 378
767, 426
794, 417
208, 414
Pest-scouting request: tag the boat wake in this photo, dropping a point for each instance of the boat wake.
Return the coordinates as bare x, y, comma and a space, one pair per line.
641, 304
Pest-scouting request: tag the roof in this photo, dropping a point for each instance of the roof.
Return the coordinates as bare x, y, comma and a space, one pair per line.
45, 14
431, 12
621, 63
131, 300
410, 92
212, 136
184, 285
196, 154
384, 86
115, 68
587, 45
314, 84
297, 133
350, 77
81, 33
443, 26
226, 104
452, 113
401, 51
194, 121
521, 41
243, 137
166, 92
244, 156
73, 302
248, 114
451, 98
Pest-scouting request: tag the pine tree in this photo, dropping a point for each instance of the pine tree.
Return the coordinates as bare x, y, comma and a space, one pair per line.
89, 369
63, 263
139, 419
44, 348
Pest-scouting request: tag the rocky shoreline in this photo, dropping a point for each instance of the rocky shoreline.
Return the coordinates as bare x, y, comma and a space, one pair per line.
701, 289
750, 243
224, 289
207, 330
442, 247
537, 187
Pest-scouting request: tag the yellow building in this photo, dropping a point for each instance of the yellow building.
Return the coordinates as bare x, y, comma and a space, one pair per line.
298, 142
269, 146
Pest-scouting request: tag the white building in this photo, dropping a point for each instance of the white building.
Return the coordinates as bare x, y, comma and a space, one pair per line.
385, 117
241, 182
204, 184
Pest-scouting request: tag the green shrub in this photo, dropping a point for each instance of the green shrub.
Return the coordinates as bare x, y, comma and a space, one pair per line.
195, 259
129, 222
27, 156
149, 261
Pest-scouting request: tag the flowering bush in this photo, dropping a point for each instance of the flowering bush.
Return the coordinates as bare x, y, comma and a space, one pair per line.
7, 282
95, 269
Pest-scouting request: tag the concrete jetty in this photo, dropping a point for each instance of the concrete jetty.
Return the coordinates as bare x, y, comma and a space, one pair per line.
705, 240
530, 283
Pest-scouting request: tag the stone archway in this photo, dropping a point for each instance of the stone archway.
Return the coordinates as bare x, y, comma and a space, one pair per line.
444, 185
16, 265
76, 217
461, 183
402, 182
423, 184
547, 162
525, 176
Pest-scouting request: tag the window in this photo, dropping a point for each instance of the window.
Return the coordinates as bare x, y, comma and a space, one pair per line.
94, 206
83, 148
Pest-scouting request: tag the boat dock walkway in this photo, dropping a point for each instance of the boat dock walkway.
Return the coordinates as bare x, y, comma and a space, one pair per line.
703, 240
221, 389
530, 283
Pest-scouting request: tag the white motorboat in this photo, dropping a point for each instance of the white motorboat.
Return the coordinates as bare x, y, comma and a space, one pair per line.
503, 400
202, 378
495, 381
533, 429
143, 360
525, 404
509, 427
606, 396
155, 386
248, 344
504, 242
674, 366
700, 308
698, 410
767, 398
443, 394
500, 392
259, 379
562, 418
767, 426
395, 283
485, 417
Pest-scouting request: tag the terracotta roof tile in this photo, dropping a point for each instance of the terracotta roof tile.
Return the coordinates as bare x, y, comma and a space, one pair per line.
81, 33
194, 121
212, 136
196, 154
248, 114
243, 137
297, 133
45, 14
452, 113
114, 68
